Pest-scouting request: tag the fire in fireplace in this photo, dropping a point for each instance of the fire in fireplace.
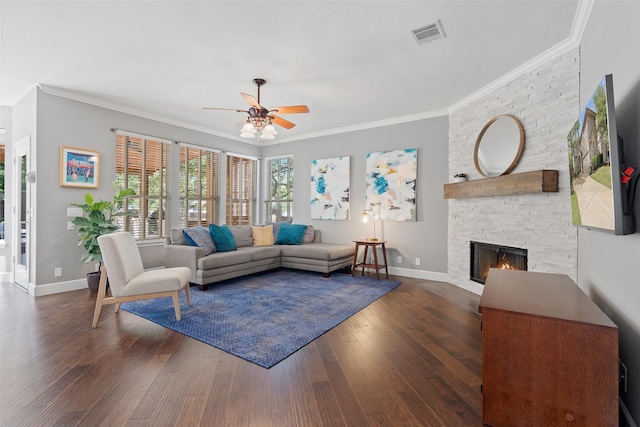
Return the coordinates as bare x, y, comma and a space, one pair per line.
485, 256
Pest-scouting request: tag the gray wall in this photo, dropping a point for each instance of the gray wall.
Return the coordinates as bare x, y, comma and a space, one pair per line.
70, 123
609, 265
425, 238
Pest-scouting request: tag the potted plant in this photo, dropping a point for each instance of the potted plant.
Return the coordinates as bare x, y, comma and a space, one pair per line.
460, 177
99, 220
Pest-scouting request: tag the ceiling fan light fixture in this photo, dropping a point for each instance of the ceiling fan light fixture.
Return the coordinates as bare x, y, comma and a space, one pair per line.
269, 130
248, 127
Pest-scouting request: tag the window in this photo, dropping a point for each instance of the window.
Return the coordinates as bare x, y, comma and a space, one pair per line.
279, 204
199, 192
141, 164
241, 190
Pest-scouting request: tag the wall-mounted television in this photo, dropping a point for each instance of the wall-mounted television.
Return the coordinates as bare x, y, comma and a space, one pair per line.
599, 197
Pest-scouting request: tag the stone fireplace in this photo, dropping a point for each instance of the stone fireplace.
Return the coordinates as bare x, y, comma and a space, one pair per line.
544, 96
484, 256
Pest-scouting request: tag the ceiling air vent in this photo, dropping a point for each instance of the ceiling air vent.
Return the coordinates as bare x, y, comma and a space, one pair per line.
428, 33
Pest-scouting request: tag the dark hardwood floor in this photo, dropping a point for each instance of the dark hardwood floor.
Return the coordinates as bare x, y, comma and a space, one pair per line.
411, 358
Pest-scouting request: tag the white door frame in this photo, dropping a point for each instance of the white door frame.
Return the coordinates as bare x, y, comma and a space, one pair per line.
21, 272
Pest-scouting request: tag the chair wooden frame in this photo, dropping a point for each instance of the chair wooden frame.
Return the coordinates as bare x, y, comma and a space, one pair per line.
102, 299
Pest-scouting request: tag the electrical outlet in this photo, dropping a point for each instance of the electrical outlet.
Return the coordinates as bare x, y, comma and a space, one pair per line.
399, 259
71, 225
623, 376
417, 261
57, 272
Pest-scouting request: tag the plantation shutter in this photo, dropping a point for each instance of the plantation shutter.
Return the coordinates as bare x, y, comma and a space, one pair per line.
142, 165
241, 190
199, 190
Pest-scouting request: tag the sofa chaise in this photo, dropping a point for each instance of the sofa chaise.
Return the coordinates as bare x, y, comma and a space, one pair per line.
250, 256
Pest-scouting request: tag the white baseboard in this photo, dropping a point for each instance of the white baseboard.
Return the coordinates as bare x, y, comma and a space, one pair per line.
419, 274
56, 288
6, 277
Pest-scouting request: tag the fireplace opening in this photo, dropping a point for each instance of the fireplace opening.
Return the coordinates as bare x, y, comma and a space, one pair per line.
485, 256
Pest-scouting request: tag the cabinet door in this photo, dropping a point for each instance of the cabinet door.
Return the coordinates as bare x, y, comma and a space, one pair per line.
545, 371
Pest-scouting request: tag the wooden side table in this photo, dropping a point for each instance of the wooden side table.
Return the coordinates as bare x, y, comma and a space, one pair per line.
373, 244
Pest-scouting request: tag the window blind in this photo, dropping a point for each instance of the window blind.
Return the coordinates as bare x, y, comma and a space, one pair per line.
142, 165
199, 186
241, 190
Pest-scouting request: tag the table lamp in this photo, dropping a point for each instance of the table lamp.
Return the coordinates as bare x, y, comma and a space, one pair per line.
365, 219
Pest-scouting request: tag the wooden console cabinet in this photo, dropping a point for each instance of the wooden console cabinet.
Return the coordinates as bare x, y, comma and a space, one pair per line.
549, 354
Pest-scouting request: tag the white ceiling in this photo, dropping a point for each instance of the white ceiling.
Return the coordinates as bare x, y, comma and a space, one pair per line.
354, 63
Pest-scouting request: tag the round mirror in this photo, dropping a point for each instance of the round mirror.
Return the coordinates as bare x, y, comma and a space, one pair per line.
499, 146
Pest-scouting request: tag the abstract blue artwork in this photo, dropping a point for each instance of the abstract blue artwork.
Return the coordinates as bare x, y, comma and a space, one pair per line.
330, 188
391, 184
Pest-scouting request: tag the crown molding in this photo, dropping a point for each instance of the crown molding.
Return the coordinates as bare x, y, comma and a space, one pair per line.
580, 21
364, 126
121, 108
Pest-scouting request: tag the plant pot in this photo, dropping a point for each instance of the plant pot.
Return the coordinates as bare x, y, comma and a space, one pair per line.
93, 280
459, 179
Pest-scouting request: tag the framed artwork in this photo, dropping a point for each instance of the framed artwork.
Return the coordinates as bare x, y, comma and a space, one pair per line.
391, 184
79, 167
330, 188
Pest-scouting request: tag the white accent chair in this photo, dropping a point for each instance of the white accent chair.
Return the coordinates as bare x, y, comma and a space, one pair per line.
128, 280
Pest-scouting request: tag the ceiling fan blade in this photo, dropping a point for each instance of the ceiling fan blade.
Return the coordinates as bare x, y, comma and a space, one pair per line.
241, 123
225, 109
251, 100
290, 109
281, 122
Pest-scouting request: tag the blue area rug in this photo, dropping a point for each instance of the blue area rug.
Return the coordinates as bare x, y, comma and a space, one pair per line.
265, 317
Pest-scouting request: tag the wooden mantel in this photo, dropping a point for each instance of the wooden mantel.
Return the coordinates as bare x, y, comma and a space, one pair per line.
540, 181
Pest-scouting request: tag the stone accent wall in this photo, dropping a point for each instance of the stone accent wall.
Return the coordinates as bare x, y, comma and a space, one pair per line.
546, 101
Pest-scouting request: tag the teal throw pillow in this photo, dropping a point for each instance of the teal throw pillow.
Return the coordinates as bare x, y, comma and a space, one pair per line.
199, 236
223, 238
291, 234
276, 226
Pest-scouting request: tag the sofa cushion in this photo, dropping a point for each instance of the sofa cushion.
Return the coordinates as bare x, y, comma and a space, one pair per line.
290, 234
199, 236
262, 235
223, 259
223, 238
319, 251
262, 252
241, 234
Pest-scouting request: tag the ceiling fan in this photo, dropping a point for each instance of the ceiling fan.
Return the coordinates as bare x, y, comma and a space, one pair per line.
261, 119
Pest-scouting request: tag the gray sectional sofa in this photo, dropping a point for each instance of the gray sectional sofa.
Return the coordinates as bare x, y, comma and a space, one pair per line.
311, 255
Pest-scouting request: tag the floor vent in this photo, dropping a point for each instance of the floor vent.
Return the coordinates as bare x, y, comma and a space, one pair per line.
428, 33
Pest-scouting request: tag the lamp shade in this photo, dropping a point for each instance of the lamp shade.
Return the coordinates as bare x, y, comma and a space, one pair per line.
248, 127
269, 129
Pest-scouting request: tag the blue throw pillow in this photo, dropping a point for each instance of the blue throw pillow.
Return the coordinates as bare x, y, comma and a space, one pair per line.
276, 226
223, 238
199, 236
291, 234
189, 240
